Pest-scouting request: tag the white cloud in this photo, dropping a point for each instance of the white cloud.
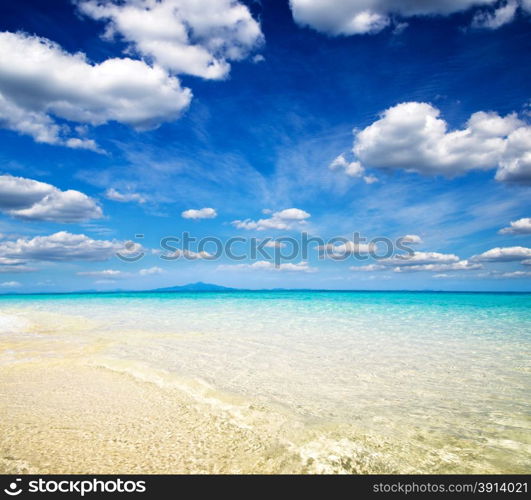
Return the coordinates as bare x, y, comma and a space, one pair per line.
420, 258
40, 82
183, 36
494, 19
288, 218
264, 265
352, 169
34, 200
62, 247
461, 265
9, 266
367, 268
520, 226
342, 250
506, 254
202, 213
428, 261
10, 284
412, 238
189, 254
150, 271
515, 164
351, 17
107, 273
510, 274
274, 244
115, 195
526, 262
411, 136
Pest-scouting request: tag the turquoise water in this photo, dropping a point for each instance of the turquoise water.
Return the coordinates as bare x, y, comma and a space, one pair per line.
443, 377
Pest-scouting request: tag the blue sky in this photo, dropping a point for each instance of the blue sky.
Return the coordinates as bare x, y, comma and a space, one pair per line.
359, 115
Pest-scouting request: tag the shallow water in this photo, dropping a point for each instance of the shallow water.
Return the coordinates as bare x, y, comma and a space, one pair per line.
441, 378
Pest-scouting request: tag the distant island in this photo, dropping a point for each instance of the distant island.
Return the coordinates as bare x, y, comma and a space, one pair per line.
195, 287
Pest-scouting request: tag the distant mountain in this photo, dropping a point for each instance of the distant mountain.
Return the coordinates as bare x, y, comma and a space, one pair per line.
195, 287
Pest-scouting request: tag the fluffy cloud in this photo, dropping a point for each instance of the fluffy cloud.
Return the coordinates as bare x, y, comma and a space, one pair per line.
188, 254
288, 218
62, 247
412, 239
264, 265
183, 36
506, 254
352, 169
115, 195
203, 213
34, 200
413, 137
343, 250
421, 258
420, 261
41, 83
520, 226
351, 17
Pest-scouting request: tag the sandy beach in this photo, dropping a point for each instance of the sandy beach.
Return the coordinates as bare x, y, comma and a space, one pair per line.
61, 418
88, 385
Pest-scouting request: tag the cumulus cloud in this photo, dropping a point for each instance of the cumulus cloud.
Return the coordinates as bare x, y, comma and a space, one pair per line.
412, 136
33, 200
412, 239
520, 226
183, 36
202, 213
288, 218
421, 261
421, 258
505, 254
40, 83
61, 247
115, 195
352, 17
188, 254
264, 265
344, 249
352, 169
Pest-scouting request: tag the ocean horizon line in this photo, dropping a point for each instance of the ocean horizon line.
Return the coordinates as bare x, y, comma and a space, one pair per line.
266, 290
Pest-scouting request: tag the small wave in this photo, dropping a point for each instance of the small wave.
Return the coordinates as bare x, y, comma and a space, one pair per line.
13, 324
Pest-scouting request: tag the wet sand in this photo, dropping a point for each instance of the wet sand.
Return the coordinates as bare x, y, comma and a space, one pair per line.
61, 418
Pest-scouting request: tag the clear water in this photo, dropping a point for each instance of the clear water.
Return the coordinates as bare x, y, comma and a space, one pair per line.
440, 381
